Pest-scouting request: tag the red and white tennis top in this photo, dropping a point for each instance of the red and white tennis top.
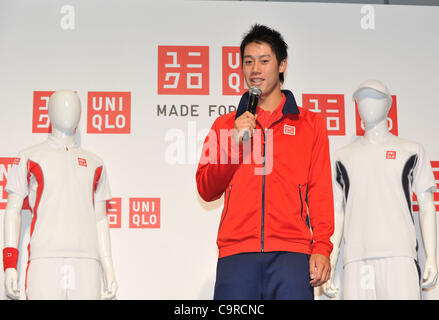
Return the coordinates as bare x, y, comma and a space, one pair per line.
62, 183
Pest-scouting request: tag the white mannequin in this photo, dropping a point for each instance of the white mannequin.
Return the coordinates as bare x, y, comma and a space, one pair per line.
64, 114
373, 107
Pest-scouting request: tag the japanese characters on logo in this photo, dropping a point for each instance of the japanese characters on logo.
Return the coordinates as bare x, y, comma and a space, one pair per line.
5, 165
114, 212
290, 130
82, 162
183, 70
435, 168
392, 119
391, 155
332, 109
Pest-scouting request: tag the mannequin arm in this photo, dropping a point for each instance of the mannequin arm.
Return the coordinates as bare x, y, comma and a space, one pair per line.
427, 222
329, 287
104, 246
12, 227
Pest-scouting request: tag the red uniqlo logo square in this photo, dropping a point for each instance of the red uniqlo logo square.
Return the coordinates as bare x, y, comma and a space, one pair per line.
144, 213
391, 155
392, 119
332, 109
290, 130
82, 162
233, 79
114, 212
5, 165
183, 70
40, 118
435, 167
109, 112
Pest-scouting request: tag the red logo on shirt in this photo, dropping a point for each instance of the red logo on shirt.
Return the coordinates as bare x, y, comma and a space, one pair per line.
145, 213
391, 155
290, 130
331, 107
183, 70
435, 167
82, 162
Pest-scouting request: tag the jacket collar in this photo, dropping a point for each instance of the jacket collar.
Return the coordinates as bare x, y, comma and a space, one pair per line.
290, 106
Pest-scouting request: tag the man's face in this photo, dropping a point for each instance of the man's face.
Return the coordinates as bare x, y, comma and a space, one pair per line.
261, 68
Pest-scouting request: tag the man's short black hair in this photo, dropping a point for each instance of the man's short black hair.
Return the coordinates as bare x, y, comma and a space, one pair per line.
260, 33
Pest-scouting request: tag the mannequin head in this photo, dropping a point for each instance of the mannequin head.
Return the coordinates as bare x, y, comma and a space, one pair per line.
64, 111
374, 101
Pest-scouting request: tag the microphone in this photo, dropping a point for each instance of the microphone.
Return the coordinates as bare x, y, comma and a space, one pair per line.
253, 98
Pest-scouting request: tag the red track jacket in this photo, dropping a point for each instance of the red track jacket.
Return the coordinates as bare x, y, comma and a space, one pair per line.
278, 195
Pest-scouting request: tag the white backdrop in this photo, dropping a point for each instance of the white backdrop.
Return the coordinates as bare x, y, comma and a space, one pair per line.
120, 50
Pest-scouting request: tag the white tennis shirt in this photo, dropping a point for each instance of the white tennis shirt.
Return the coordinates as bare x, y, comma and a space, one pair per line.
378, 181
62, 183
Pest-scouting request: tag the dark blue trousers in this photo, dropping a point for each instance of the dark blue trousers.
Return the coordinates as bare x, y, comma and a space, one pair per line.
264, 276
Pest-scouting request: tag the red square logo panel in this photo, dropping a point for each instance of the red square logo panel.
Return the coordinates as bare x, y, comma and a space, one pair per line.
183, 70
109, 112
435, 167
5, 165
332, 109
145, 213
233, 79
114, 212
40, 118
391, 155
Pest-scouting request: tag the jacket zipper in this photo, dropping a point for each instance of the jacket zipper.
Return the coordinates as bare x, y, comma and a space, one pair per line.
227, 209
263, 181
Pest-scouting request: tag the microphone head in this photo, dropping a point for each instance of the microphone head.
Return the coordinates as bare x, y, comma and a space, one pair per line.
255, 91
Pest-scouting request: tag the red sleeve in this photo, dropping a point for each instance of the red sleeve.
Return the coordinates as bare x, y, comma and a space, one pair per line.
320, 196
219, 160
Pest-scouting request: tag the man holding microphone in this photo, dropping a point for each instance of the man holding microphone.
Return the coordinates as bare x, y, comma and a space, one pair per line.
274, 169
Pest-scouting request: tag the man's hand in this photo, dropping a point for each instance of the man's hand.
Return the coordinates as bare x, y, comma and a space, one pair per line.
244, 123
319, 269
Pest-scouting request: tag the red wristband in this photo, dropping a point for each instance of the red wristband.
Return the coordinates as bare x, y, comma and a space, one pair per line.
10, 258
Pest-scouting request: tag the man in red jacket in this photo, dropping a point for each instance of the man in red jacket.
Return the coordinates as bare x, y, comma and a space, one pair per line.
275, 228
